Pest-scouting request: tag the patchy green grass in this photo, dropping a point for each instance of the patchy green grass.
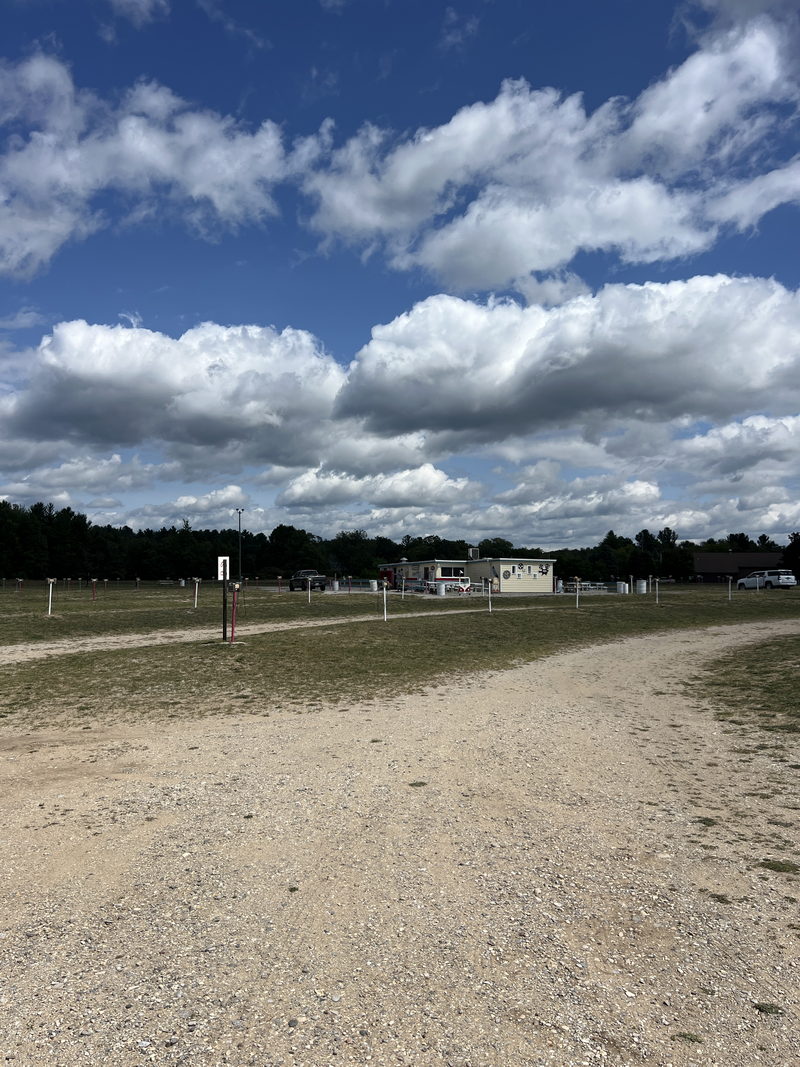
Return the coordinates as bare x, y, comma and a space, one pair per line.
781, 866
757, 685
153, 608
766, 1008
121, 610
298, 669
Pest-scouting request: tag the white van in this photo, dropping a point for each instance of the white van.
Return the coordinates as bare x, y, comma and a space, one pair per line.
767, 580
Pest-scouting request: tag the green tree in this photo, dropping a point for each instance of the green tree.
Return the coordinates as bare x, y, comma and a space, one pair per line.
292, 550
11, 540
575, 563
386, 550
352, 552
791, 554
612, 557
766, 544
496, 548
69, 546
740, 542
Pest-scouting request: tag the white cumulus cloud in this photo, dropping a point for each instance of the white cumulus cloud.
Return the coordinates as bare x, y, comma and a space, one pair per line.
405, 488
707, 347
524, 182
140, 11
152, 149
266, 391
642, 405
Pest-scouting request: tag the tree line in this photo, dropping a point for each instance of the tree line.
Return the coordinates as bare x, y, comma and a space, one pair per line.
41, 541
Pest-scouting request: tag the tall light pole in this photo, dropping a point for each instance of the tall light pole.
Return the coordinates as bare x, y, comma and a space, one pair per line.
239, 513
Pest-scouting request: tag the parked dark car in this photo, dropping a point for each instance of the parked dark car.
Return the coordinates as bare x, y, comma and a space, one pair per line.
301, 580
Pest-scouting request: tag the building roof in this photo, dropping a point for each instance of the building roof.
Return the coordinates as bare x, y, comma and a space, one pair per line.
417, 562
462, 562
734, 562
513, 559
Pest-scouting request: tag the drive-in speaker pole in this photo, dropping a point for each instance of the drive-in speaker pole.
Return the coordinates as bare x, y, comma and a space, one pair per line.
223, 569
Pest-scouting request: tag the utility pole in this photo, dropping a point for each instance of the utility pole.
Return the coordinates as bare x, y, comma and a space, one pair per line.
239, 513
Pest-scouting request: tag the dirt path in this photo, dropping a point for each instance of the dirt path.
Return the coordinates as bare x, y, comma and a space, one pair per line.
555, 866
25, 653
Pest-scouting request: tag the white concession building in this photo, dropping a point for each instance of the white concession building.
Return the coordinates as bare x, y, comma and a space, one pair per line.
506, 574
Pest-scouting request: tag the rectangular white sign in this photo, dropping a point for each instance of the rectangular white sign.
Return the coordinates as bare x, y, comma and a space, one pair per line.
223, 567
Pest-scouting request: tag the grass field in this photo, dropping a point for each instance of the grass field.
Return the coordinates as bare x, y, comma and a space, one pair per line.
757, 686
24, 618
342, 662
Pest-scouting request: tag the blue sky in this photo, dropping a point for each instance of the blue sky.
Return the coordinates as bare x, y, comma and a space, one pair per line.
476, 269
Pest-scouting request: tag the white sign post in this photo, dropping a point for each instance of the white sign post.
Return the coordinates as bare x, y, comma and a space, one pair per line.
223, 567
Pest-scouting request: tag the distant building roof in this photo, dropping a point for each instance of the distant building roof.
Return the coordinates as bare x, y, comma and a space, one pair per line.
415, 562
734, 563
512, 559
470, 559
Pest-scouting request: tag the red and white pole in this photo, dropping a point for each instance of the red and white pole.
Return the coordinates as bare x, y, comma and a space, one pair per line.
233, 612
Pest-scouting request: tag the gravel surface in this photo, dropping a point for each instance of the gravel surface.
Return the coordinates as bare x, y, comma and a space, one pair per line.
556, 865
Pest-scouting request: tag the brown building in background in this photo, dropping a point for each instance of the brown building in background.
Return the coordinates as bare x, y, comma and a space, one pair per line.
719, 566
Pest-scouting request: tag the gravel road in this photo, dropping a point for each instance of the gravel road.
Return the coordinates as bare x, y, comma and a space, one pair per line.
557, 865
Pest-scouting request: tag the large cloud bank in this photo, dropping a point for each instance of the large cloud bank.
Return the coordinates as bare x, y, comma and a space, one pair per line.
603, 409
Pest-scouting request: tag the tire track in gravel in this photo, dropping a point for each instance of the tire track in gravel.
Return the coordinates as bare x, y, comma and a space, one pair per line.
241, 891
